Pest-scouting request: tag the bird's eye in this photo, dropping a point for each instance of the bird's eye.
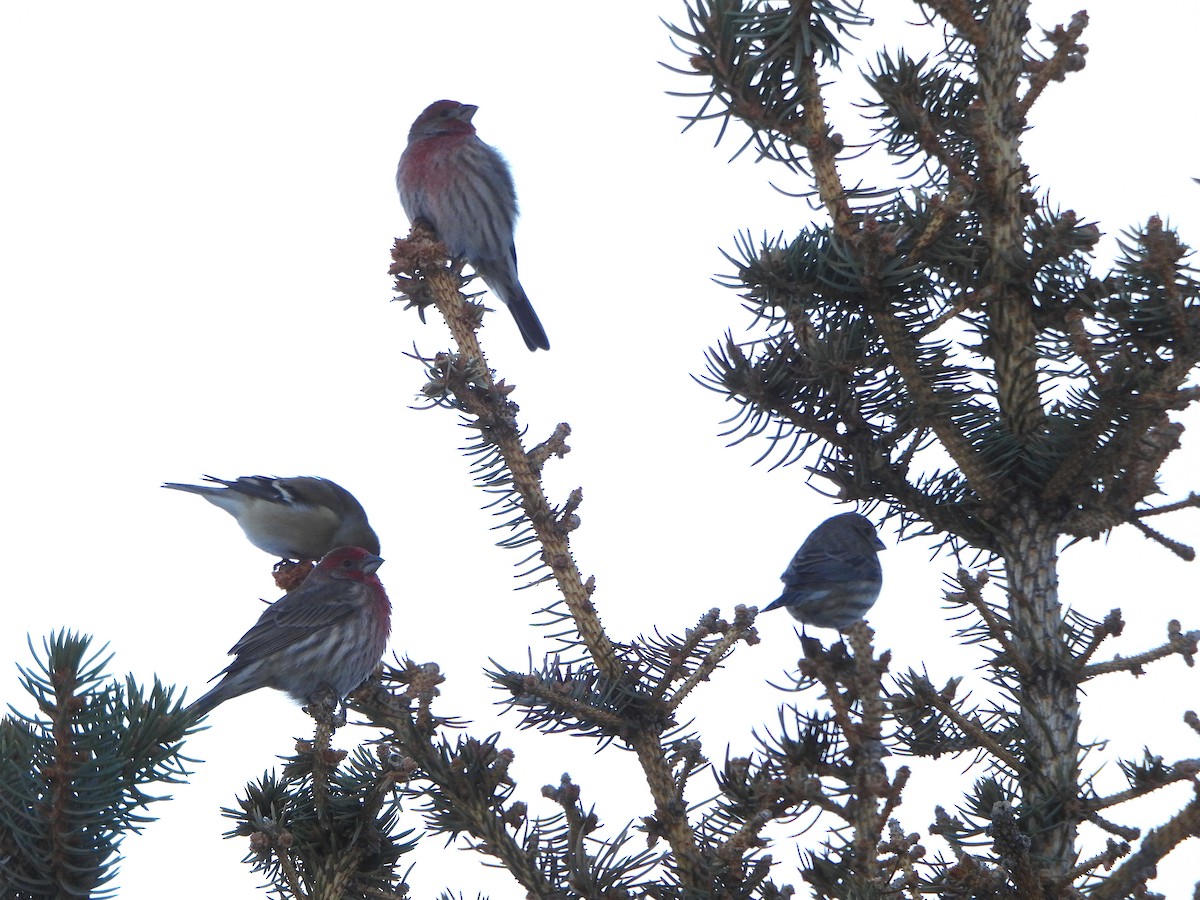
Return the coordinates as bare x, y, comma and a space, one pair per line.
347, 563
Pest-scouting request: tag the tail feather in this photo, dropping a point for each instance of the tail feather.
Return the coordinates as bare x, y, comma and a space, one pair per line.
501, 277
528, 322
775, 604
206, 704
230, 686
202, 489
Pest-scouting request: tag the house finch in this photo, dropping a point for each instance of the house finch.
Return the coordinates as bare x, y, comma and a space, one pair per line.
293, 518
329, 632
462, 187
835, 576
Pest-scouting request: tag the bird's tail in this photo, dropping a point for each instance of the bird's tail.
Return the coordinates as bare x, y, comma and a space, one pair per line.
203, 490
232, 685
206, 704
776, 604
502, 279
528, 322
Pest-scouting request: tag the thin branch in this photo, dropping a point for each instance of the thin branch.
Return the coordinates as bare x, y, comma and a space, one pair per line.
968, 725
1068, 57
1000, 632
823, 150
323, 707
741, 630
1178, 641
1184, 770
1112, 853
1141, 866
552, 697
1191, 501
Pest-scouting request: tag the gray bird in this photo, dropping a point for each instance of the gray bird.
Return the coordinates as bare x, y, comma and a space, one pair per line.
835, 576
292, 518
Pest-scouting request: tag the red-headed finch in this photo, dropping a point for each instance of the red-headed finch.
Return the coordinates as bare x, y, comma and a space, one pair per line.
292, 518
330, 632
462, 187
835, 576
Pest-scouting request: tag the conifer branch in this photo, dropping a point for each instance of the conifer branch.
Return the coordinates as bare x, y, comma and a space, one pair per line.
1113, 852
269, 837
959, 14
853, 687
1130, 876
1111, 626
1191, 501
1178, 642
1068, 57
324, 708
1183, 551
73, 773
823, 147
1151, 776
997, 628
742, 629
932, 405
946, 211
467, 377
980, 735
468, 783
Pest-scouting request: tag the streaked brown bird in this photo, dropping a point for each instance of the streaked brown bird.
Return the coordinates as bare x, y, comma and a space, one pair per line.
835, 576
292, 518
329, 633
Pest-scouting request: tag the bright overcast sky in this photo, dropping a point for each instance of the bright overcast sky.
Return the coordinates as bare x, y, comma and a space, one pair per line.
198, 207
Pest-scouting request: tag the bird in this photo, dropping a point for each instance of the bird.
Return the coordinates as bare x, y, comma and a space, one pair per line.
463, 188
299, 518
835, 576
328, 633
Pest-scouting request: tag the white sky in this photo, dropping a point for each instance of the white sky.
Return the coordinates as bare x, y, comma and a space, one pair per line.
197, 211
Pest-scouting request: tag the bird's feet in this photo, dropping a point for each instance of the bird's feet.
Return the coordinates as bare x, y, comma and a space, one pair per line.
326, 708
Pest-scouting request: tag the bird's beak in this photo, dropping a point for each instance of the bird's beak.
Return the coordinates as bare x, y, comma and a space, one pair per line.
372, 563
466, 111
879, 545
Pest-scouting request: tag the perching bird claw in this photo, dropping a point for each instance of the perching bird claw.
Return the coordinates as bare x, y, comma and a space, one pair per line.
326, 708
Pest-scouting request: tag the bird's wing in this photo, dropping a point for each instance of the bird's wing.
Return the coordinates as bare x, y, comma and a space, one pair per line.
826, 565
308, 490
297, 615
261, 487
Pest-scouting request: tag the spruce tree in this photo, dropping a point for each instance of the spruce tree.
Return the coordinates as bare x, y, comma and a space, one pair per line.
939, 352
